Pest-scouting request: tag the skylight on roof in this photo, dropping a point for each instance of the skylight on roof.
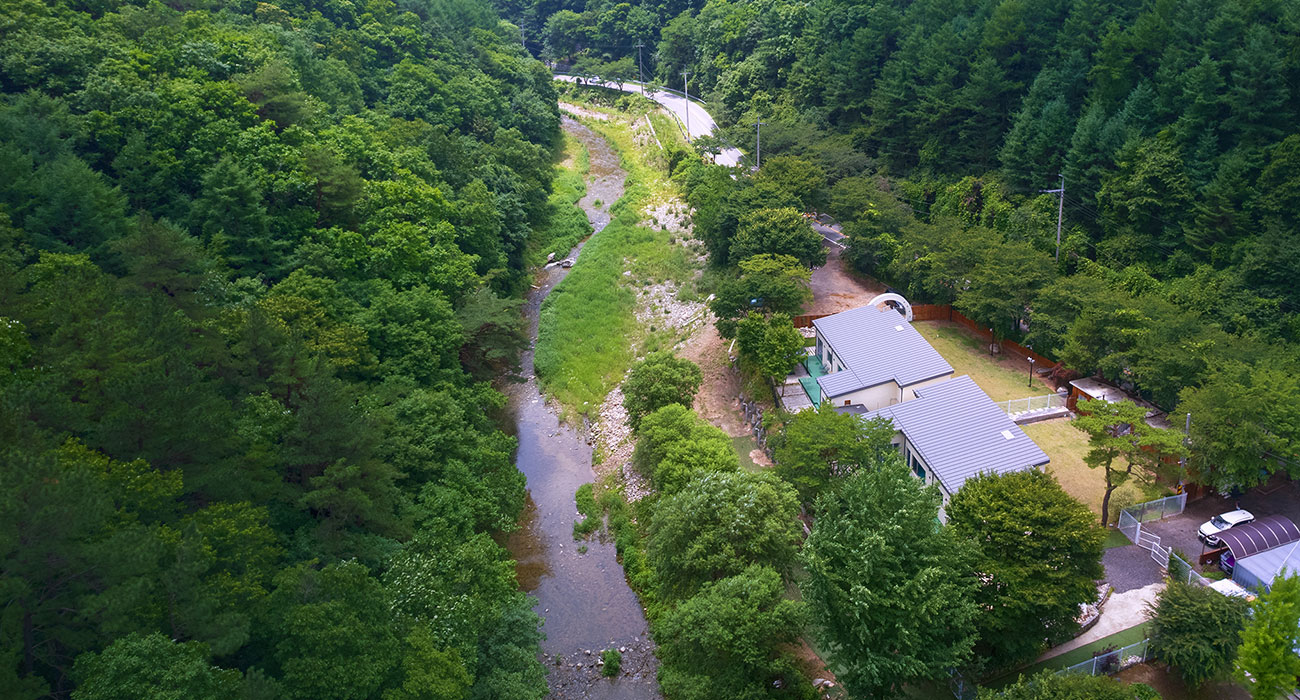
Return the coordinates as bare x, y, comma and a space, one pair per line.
1007, 434
898, 328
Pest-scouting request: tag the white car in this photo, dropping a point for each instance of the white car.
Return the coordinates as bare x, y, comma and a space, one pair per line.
1210, 530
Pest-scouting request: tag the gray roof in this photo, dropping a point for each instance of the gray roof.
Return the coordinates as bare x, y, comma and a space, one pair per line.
1266, 566
1260, 536
960, 432
876, 345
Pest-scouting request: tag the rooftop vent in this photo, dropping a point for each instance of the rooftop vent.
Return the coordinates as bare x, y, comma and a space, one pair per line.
1007, 434
898, 328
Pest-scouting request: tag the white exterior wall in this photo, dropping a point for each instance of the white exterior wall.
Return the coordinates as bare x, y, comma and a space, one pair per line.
909, 391
905, 448
873, 397
882, 395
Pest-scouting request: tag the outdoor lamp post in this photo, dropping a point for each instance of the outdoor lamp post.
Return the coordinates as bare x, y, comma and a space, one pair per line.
1031, 371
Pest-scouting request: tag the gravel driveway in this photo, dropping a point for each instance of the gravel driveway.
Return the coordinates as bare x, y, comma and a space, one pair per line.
1131, 567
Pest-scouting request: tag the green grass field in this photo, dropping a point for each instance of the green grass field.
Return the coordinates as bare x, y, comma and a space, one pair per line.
1001, 379
565, 223
588, 333
1066, 446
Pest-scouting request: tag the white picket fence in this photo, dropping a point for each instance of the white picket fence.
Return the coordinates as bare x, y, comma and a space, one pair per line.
1033, 404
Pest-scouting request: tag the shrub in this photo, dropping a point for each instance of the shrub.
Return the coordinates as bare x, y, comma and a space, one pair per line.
1196, 630
657, 381
613, 662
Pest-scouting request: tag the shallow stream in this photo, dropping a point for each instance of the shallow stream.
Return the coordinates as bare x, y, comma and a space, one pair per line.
584, 598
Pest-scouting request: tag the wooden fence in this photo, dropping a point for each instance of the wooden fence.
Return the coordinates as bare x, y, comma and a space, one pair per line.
931, 312
805, 321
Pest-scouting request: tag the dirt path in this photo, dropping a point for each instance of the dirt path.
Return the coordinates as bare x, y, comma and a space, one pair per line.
717, 400
837, 287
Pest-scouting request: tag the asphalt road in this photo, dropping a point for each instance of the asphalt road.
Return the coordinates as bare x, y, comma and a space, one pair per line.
831, 233
701, 123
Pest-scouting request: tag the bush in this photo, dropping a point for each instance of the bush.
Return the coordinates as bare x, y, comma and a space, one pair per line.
587, 507
657, 381
773, 345
675, 446
718, 524
1196, 630
613, 662
726, 640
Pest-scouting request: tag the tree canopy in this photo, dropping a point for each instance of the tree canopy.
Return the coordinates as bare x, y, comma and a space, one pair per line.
658, 380
1196, 630
258, 264
916, 620
1039, 557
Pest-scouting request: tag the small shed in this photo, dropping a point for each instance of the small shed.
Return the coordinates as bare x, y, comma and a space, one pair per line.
1093, 388
1090, 388
1260, 551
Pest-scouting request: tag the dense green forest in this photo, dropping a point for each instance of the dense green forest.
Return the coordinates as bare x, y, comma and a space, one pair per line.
930, 128
257, 264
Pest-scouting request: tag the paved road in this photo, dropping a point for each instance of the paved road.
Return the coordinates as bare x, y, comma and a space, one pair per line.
831, 233
701, 123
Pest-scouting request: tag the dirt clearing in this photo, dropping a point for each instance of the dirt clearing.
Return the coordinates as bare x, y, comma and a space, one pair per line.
717, 401
836, 286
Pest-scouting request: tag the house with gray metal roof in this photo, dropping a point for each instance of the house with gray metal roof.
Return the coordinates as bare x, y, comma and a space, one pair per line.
952, 431
874, 358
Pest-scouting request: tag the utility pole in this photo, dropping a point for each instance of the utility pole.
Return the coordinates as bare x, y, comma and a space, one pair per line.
639, 78
1060, 213
686, 89
758, 144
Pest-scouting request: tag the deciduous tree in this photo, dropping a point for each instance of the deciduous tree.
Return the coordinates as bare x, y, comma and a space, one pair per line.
767, 284
890, 590
1039, 556
658, 380
153, 667
779, 232
725, 641
1266, 661
719, 523
772, 344
818, 446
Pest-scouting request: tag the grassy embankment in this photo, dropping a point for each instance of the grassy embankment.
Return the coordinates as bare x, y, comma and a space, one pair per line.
589, 334
565, 224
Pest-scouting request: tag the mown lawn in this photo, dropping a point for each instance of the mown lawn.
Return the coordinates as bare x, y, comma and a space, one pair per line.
1001, 378
1121, 638
1066, 446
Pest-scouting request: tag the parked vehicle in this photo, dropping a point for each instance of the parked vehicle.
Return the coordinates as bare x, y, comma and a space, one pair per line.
1224, 521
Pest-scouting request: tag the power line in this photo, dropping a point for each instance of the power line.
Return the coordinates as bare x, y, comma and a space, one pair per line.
1060, 214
